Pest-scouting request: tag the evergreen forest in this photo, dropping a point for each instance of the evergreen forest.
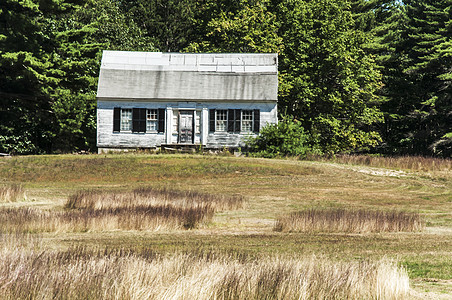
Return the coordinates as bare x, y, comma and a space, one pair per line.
370, 76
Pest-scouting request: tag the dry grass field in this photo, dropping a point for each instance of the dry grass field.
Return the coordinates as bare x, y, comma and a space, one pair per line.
137, 226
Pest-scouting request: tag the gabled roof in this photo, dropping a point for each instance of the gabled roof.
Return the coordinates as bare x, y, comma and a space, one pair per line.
183, 76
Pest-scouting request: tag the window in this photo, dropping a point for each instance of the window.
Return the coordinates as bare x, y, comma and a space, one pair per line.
126, 119
138, 120
222, 120
234, 120
151, 120
247, 120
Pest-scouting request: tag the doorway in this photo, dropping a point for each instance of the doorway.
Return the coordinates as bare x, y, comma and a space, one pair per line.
186, 127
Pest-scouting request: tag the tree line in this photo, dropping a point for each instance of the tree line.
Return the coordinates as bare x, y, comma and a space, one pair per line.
356, 75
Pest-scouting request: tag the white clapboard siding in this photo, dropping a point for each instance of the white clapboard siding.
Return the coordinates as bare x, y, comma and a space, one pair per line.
107, 138
184, 82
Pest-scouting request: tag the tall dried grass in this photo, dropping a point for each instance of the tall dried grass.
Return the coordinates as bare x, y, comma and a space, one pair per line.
141, 209
130, 218
413, 163
350, 221
79, 273
149, 196
12, 193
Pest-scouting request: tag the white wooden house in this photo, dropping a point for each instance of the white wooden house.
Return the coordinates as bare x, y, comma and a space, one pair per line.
151, 99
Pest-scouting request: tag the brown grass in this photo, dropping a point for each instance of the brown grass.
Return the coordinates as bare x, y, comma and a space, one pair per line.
78, 273
163, 217
350, 221
149, 196
273, 188
12, 193
414, 163
141, 209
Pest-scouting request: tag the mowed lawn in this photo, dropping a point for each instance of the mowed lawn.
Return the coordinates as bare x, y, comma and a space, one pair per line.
271, 189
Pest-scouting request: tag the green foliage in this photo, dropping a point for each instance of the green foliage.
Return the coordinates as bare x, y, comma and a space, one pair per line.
327, 80
115, 28
250, 28
416, 69
169, 24
49, 56
345, 66
25, 115
287, 138
330, 82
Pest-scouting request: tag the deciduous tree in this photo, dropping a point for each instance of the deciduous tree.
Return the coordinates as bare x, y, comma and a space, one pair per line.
330, 81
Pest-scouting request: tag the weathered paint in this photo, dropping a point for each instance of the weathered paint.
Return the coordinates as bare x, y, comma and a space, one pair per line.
166, 76
106, 138
184, 82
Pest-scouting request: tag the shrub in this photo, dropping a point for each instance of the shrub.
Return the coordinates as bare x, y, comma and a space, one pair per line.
287, 138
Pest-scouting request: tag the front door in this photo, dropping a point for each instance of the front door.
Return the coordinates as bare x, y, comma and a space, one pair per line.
186, 127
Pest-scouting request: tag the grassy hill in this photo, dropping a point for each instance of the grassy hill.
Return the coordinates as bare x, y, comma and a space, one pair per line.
228, 215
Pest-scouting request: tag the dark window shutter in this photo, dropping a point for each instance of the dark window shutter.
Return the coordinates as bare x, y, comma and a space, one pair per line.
230, 120
135, 120
238, 116
211, 120
161, 120
257, 120
116, 119
142, 119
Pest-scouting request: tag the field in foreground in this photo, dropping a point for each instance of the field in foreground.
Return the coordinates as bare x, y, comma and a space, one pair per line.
227, 215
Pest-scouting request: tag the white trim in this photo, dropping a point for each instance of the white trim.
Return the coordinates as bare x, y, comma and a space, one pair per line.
169, 124
178, 100
204, 125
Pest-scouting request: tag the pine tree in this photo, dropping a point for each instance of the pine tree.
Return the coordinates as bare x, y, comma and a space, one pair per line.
80, 35
380, 21
25, 113
420, 98
50, 53
170, 24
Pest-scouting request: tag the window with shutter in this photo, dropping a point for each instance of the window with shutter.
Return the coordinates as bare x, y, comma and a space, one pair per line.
126, 119
211, 120
237, 125
139, 120
257, 120
151, 120
247, 120
161, 126
221, 120
142, 126
231, 114
116, 119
